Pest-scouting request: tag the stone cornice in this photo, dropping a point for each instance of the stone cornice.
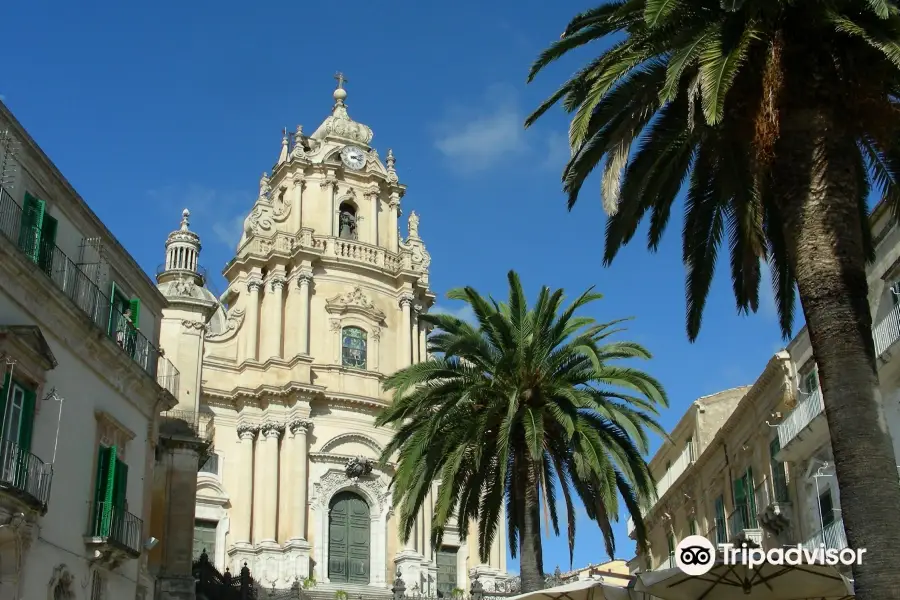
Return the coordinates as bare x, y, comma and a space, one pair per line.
341, 459
306, 391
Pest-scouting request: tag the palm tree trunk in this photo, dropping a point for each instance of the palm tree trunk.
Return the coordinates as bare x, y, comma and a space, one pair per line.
531, 561
816, 189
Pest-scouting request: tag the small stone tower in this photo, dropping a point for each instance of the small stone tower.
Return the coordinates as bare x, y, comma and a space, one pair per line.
184, 443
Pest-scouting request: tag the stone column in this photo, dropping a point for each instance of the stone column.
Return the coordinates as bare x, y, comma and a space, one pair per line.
252, 336
304, 279
423, 342
405, 331
271, 431
243, 502
275, 332
299, 477
414, 333
298, 180
372, 196
427, 515
329, 184
392, 222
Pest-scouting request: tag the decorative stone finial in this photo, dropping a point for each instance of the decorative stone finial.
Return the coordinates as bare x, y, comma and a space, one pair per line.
264, 187
340, 94
285, 142
390, 160
185, 220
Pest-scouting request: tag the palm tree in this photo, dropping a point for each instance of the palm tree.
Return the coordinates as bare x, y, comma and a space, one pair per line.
777, 116
503, 414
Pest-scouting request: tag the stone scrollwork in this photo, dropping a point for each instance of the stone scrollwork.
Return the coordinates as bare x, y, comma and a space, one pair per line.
300, 425
254, 284
247, 430
271, 429
277, 282
376, 333
376, 489
335, 324
406, 300
233, 322
183, 286
304, 277
195, 325
358, 467
62, 584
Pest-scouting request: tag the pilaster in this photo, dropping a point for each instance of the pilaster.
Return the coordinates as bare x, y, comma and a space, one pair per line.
243, 512
271, 431
251, 341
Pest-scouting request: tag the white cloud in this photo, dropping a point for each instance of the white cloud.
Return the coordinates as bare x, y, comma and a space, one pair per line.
478, 139
220, 213
558, 152
463, 312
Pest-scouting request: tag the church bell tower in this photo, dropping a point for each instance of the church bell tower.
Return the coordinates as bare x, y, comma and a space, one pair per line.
323, 303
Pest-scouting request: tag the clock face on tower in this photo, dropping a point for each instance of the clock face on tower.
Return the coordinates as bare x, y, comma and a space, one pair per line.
353, 157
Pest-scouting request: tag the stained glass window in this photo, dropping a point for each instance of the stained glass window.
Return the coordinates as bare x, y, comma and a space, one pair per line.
353, 342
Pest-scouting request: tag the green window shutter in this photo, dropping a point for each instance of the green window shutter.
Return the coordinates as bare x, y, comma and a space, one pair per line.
101, 525
30, 229
109, 489
751, 497
135, 305
48, 243
26, 424
113, 319
120, 492
671, 540
740, 494
693, 527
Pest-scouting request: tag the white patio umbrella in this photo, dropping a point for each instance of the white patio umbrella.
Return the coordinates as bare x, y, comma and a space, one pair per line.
733, 582
586, 589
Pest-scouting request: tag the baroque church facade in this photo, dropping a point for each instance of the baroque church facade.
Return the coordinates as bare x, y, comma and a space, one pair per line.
286, 367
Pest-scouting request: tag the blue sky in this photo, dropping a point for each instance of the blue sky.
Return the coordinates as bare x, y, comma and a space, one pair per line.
150, 108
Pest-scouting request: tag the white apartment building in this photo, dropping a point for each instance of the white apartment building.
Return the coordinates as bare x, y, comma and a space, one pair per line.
760, 466
83, 380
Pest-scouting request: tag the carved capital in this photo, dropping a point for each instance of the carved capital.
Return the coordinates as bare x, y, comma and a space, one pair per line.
406, 300
298, 179
328, 181
372, 190
335, 324
277, 282
376, 333
254, 285
304, 278
394, 203
271, 429
197, 325
300, 426
247, 431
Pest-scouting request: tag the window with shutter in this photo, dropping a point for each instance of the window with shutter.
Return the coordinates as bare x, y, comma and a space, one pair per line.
31, 226
721, 533
205, 538
47, 248
811, 381
693, 527
779, 472
110, 497
826, 505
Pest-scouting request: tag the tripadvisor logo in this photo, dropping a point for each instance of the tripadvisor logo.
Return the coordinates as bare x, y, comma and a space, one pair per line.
696, 555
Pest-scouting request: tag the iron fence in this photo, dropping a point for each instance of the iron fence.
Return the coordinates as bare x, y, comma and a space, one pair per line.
113, 524
26, 474
83, 291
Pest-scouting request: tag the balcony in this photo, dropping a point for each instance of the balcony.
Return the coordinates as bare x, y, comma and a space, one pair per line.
114, 534
773, 502
718, 533
25, 476
84, 293
676, 470
189, 424
886, 332
668, 563
804, 429
743, 526
831, 536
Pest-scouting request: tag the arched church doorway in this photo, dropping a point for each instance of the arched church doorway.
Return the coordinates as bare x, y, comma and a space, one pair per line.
349, 540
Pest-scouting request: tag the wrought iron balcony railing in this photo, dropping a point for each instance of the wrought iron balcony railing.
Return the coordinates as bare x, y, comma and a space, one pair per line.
25, 475
85, 293
111, 524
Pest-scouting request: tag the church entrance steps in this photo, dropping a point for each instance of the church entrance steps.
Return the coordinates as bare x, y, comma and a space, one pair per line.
354, 591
